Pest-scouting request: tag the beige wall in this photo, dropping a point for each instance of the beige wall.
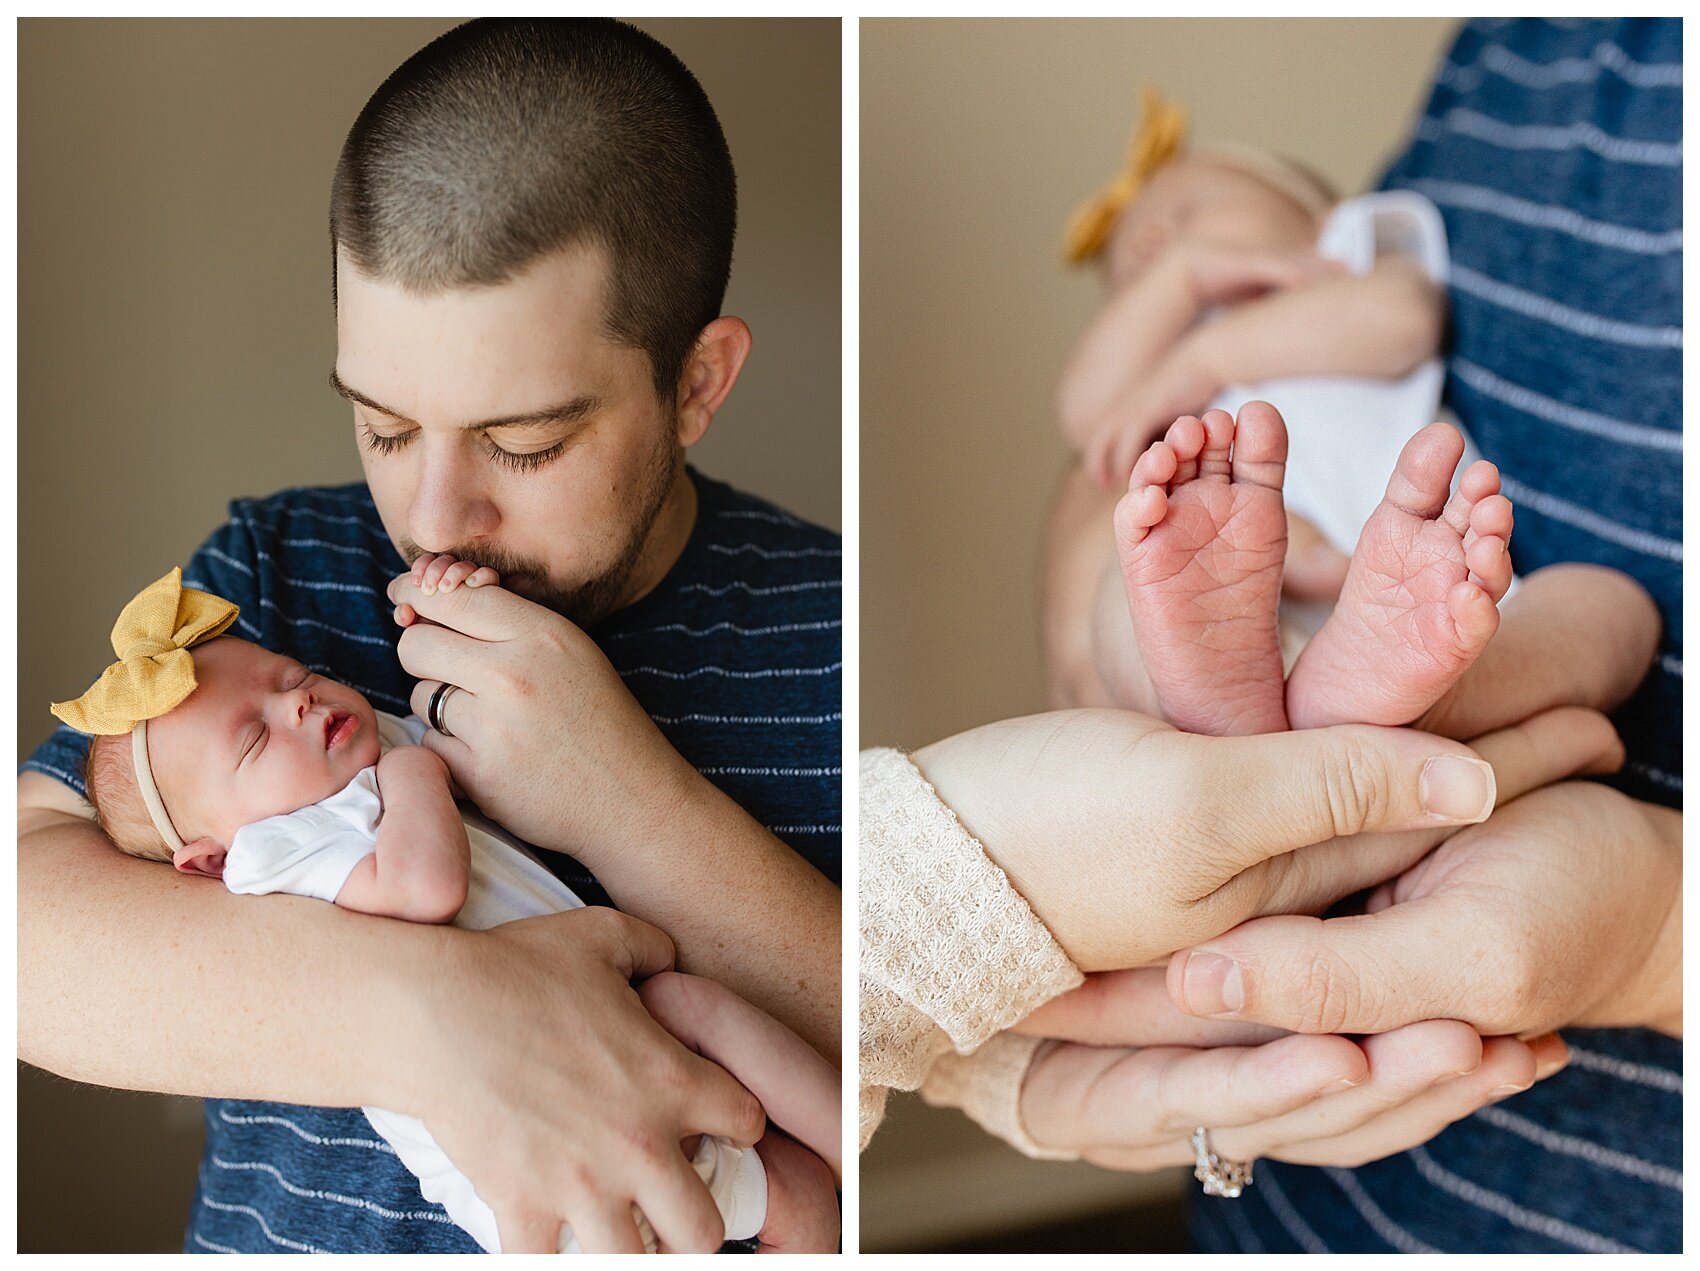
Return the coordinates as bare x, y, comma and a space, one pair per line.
175, 332
978, 139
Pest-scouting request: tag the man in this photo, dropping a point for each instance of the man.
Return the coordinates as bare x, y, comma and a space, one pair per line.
532, 225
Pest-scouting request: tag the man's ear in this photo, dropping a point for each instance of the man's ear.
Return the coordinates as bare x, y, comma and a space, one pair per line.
710, 371
203, 856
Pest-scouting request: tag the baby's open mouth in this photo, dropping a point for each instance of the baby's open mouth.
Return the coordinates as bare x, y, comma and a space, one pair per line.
339, 727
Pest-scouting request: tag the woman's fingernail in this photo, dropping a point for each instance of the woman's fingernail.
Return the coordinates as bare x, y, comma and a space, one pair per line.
1454, 788
1212, 985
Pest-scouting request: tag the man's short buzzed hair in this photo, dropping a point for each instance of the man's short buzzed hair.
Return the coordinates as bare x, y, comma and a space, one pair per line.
505, 140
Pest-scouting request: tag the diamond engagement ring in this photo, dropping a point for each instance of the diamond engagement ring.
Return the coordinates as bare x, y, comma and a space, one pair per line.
1220, 1177
434, 711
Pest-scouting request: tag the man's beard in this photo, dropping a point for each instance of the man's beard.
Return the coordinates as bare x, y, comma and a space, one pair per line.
585, 603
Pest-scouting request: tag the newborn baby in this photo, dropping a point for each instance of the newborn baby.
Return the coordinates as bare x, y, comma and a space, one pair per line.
240, 764
1229, 267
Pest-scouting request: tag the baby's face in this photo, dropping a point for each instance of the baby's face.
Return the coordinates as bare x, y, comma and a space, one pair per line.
259, 736
1201, 200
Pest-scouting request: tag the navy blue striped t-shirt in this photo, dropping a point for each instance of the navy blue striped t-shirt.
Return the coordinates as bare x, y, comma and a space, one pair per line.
1553, 149
736, 655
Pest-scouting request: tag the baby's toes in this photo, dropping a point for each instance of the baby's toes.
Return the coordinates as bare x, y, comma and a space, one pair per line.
1478, 485
1139, 509
483, 576
1490, 565
1480, 480
1186, 438
1218, 443
1492, 517
1475, 617
1155, 467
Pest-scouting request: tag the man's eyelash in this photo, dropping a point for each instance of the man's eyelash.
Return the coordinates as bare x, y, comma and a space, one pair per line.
378, 443
524, 462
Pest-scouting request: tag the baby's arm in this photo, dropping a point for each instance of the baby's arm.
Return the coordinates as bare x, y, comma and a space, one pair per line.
1141, 363
799, 1090
419, 872
1383, 324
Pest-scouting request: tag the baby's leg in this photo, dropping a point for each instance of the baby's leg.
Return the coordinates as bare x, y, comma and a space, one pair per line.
1571, 635
799, 1090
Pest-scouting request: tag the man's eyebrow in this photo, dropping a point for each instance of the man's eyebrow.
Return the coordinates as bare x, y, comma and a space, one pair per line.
566, 413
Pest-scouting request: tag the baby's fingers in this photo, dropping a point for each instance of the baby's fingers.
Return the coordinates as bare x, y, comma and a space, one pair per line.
456, 574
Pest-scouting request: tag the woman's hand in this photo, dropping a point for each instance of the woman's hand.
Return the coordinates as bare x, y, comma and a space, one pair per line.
1127, 836
1562, 909
1309, 1100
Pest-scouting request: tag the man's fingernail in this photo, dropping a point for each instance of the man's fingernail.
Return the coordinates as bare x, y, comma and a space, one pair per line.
1212, 984
1457, 789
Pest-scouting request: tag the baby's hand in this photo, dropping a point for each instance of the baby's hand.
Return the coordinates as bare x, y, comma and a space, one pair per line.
434, 573
802, 1199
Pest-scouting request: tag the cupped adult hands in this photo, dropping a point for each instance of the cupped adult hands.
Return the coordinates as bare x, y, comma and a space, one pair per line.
1306, 1099
579, 1112
1131, 839
1564, 908
547, 739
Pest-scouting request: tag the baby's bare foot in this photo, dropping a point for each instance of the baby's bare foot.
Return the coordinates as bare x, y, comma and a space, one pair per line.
1201, 534
1420, 600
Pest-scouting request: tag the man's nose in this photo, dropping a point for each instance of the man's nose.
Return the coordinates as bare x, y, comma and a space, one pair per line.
449, 505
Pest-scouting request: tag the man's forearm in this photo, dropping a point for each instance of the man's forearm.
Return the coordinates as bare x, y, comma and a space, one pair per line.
741, 907
132, 975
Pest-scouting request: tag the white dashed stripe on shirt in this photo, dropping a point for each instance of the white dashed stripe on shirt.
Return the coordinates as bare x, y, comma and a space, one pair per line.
1582, 1149
1548, 505
1552, 411
1543, 309
1485, 1198
1557, 137
1562, 220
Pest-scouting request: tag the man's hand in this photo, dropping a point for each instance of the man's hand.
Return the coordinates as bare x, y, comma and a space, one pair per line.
1562, 909
543, 1078
547, 739
549, 742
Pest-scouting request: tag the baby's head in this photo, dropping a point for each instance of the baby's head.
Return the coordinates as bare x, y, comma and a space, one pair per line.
1223, 196
259, 736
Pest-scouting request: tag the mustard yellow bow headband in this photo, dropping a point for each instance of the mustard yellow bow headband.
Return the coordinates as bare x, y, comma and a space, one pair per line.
1162, 128
154, 673
155, 670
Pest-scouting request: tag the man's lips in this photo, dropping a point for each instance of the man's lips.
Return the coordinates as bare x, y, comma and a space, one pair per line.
339, 727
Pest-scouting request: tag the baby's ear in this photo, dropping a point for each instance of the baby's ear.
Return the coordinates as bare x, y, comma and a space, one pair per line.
203, 856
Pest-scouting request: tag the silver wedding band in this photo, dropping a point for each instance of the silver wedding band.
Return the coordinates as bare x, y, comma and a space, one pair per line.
1220, 1177
434, 711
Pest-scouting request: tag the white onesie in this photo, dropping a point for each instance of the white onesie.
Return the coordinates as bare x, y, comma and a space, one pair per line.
312, 852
